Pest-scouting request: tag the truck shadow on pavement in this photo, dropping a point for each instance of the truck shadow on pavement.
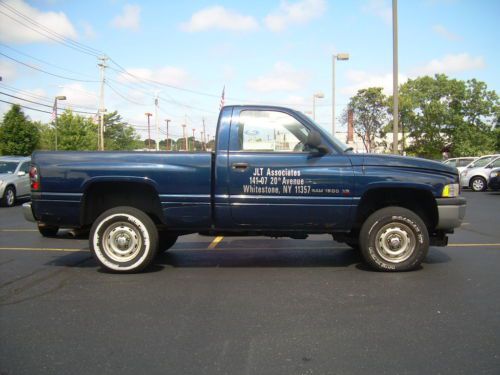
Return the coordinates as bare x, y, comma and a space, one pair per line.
246, 258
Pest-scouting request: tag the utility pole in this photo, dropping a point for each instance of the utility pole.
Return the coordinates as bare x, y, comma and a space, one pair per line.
340, 57
203, 139
193, 138
167, 147
395, 111
102, 65
156, 123
149, 130
184, 136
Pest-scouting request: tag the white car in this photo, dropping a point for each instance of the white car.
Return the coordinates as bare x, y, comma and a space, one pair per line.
14, 179
460, 163
477, 174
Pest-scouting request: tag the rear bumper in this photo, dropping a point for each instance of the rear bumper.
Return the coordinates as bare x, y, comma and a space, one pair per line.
451, 212
28, 212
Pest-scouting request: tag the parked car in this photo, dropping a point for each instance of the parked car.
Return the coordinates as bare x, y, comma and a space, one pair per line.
477, 178
494, 180
460, 163
14, 179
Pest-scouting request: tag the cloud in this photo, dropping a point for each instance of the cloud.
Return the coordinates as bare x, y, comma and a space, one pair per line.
88, 30
129, 18
78, 95
8, 71
445, 33
361, 80
379, 8
450, 64
297, 13
14, 32
219, 18
169, 75
282, 78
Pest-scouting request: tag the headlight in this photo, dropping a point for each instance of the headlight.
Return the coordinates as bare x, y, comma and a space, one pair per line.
492, 174
450, 191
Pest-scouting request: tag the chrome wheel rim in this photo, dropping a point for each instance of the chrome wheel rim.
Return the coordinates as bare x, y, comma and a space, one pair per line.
478, 184
395, 242
10, 197
122, 241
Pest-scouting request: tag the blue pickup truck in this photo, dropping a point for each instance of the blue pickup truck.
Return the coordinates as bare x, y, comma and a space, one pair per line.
273, 172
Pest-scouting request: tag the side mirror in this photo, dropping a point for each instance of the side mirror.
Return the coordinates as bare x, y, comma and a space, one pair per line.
21, 173
314, 141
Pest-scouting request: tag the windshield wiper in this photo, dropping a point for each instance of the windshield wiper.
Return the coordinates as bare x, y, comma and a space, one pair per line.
348, 149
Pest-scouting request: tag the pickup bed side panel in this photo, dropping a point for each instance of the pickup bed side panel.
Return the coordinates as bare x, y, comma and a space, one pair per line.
181, 180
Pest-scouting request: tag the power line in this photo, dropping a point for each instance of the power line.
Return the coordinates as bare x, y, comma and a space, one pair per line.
20, 105
39, 97
53, 35
44, 71
41, 104
123, 96
40, 60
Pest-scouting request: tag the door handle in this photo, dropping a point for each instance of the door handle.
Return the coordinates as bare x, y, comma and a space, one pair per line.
241, 167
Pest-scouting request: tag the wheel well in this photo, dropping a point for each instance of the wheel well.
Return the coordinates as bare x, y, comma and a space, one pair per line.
102, 196
419, 201
477, 176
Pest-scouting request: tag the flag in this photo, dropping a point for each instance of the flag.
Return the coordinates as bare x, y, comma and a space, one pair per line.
222, 98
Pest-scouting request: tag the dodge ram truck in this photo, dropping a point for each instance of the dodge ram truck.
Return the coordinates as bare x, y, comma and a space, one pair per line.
273, 172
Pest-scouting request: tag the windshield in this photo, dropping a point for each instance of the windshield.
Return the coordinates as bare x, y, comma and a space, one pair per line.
338, 143
480, 162
7, 166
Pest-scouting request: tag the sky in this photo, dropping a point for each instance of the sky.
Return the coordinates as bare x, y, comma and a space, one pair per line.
261, 52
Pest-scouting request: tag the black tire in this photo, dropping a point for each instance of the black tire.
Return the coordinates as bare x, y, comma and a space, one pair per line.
166, 240
124, 239
9, 196
478, 184
401, 226
47, 230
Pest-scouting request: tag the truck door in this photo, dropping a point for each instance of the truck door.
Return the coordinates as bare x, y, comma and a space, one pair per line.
274, 181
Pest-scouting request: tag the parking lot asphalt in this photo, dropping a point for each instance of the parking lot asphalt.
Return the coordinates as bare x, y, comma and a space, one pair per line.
251, 306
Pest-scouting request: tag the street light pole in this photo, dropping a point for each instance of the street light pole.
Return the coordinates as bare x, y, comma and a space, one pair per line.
341, 57
149, 130
395, 97
184, 136
61, 97
166, 144
318, 95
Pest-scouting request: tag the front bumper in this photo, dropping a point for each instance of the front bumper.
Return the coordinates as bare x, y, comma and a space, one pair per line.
451, 212
494, 183
28, 212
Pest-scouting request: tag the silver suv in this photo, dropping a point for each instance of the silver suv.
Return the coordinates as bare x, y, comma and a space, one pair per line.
14, 179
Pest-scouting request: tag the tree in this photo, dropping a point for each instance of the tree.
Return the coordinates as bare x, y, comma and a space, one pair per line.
75, 132
47, 136
18, 135
439, 111
118, 134
369, 108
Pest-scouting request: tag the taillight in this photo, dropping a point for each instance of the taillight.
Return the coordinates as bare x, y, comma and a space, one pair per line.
34, 178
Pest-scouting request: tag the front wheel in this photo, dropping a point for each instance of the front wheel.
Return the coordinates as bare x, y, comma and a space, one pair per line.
124, 239
9, 197
478, 184
394, 239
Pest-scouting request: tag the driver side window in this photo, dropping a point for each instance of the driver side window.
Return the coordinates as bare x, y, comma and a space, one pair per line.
271, 131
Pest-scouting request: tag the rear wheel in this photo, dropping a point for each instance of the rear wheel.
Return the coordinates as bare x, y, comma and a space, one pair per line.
9, 196
394, 239
478, 184
124, 239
